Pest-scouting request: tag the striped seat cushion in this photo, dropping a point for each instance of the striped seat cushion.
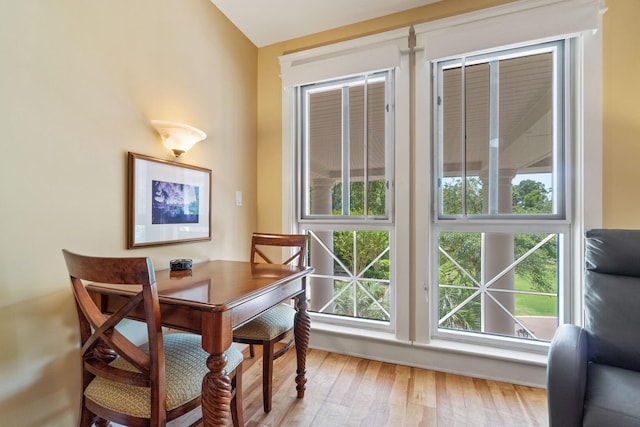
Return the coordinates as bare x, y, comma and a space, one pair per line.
185, 366
268, 325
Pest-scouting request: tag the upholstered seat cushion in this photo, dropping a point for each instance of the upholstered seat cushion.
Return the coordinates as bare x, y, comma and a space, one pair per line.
611, 397
268, 325
185, 366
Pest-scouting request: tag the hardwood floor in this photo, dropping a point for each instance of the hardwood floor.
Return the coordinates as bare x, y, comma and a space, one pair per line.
348, 391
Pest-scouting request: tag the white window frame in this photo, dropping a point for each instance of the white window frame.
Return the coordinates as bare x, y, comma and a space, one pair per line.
520, 23
559, 223
562, 50
309, 217
412, 343
387, 50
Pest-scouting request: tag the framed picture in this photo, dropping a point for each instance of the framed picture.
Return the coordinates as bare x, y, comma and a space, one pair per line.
169, 202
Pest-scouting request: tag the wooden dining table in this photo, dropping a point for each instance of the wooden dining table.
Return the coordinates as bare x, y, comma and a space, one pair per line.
211, 300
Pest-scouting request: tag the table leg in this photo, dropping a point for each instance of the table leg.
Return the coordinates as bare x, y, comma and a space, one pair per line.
301, 330
216, 392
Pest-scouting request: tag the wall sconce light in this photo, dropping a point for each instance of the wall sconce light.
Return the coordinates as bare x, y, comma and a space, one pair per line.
178, 137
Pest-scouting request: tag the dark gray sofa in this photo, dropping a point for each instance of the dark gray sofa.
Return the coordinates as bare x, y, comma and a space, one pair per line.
593, 374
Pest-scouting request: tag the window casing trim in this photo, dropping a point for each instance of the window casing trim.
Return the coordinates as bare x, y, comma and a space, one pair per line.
519, 22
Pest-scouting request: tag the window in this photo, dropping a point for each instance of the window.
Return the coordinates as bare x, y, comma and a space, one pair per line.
501, 229
500, 132
469, 231
345, 197
345, 145
345, 130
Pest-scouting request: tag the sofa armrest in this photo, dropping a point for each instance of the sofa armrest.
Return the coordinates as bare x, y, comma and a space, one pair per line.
567, 376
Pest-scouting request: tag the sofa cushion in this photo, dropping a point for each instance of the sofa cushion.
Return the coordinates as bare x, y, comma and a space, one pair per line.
612, 297
612, 316
611, 397
613, 252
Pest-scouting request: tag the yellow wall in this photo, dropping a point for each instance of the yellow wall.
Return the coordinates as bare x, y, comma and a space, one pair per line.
621, 90
621, 114
79, 82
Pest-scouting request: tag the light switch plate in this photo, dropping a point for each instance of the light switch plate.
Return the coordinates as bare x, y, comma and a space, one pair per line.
238, 198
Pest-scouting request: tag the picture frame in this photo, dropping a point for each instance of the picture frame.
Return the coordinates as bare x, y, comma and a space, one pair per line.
168, 202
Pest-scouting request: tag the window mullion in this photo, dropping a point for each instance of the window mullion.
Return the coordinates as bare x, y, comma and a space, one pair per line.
494, 136
463, 140
346, 168
365, 129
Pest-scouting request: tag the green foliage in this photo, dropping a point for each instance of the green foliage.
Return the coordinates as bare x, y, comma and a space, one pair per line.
369, 245
377, 197
364, 255
358, 249
539, 269
464, 248
361, 292
528, 197
467, 317
531, 197
452, 197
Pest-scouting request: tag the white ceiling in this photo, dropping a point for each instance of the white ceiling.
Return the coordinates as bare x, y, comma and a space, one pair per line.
266, 22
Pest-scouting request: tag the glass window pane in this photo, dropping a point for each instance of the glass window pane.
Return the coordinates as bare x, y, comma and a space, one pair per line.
345, 128
459, 309
500, 155
451, 145
499, 283
352, 273
324, 134
526, 134
356, 149
477, 117
506, 141
377, 149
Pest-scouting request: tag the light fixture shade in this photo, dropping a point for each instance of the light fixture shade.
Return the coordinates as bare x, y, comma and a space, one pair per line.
178, 137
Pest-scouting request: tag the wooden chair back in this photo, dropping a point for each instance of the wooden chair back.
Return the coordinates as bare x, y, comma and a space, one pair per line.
297, 243
101, 342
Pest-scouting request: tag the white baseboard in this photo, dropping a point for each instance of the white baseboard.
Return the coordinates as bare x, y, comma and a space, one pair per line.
463, 359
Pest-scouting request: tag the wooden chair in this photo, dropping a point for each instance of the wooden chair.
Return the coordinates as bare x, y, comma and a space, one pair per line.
275, 324
130, 385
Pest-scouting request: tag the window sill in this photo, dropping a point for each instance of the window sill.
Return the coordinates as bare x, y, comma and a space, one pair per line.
509, 355
518, 367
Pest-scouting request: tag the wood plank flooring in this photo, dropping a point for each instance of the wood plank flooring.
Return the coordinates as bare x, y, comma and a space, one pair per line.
348, 391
